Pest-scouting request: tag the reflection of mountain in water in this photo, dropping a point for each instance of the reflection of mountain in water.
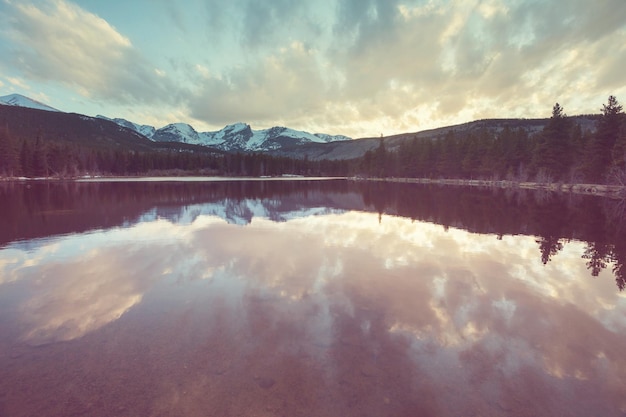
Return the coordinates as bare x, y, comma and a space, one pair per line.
239, 211
45, 209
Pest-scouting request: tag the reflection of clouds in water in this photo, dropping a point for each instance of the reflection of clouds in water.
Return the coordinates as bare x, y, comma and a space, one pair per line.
74, 297
10, 260
80, 283
467, 296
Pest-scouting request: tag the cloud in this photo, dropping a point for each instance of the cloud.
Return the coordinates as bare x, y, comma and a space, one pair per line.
352, 67
176, 16
18, 82
457, 56
397, 66
359, 297
57, 40
283, 85
394, 67
262, 20
258, 24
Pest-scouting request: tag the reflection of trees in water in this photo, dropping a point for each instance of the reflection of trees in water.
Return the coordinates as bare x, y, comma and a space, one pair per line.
44, 209
606, 240
598, 255
549, 246
619, 259
615, 211
554, 218
601, 253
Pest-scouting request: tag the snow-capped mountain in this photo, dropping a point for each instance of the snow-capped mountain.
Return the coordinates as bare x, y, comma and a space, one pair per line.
22, 101
147, 131
177, 132
331, 138
241, 137
235, 137
238, 137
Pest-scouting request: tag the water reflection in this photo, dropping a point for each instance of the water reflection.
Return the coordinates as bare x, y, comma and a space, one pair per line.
42, 210
326, 312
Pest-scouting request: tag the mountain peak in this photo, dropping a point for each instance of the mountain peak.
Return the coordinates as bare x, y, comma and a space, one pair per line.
23, 101
176, 132
236, 126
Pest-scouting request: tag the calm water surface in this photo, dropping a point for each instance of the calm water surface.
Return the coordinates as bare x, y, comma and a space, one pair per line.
309, 299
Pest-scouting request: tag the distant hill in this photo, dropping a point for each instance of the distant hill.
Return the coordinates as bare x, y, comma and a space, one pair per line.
72, 128
238, 137
22, 101
357, 147
29, 118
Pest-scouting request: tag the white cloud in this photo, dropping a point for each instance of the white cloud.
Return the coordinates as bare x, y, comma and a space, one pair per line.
463, 60
283, 86
397, 68
57, 40
351, 67
203, 71
18, 82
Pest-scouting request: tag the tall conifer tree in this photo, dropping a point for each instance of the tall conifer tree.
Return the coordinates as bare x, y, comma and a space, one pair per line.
602, 148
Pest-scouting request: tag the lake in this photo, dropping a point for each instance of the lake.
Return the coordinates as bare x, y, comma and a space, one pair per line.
309, 298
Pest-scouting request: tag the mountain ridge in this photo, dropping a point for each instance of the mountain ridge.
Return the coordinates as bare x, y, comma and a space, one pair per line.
240, 137
236, 137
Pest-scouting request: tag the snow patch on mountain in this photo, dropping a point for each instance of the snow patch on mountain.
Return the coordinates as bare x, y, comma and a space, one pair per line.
331, 138
146, 130
234, 137
237, 137
22, 101
177, 132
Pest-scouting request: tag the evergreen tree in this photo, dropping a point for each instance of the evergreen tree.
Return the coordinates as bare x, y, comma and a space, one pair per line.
380, 160
553, 154
9, 158
26, 158
40, 159
602, 148
617, 171
449, 163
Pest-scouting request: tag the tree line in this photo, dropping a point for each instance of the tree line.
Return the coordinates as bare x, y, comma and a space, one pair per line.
39, 158
561, 152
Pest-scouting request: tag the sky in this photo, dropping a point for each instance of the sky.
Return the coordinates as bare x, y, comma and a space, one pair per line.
360, 68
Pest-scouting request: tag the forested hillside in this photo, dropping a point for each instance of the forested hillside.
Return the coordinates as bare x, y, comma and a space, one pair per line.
562, 151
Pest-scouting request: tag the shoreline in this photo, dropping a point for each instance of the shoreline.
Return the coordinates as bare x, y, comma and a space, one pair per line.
615, 191
166, 178
605, 190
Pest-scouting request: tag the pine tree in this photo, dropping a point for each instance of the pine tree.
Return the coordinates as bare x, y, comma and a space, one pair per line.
553, 155
380, 160
26, 159
617, 171
9, 158
40, 159
602, 148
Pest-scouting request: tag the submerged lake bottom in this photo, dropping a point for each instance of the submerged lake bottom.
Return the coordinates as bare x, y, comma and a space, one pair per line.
309, 298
